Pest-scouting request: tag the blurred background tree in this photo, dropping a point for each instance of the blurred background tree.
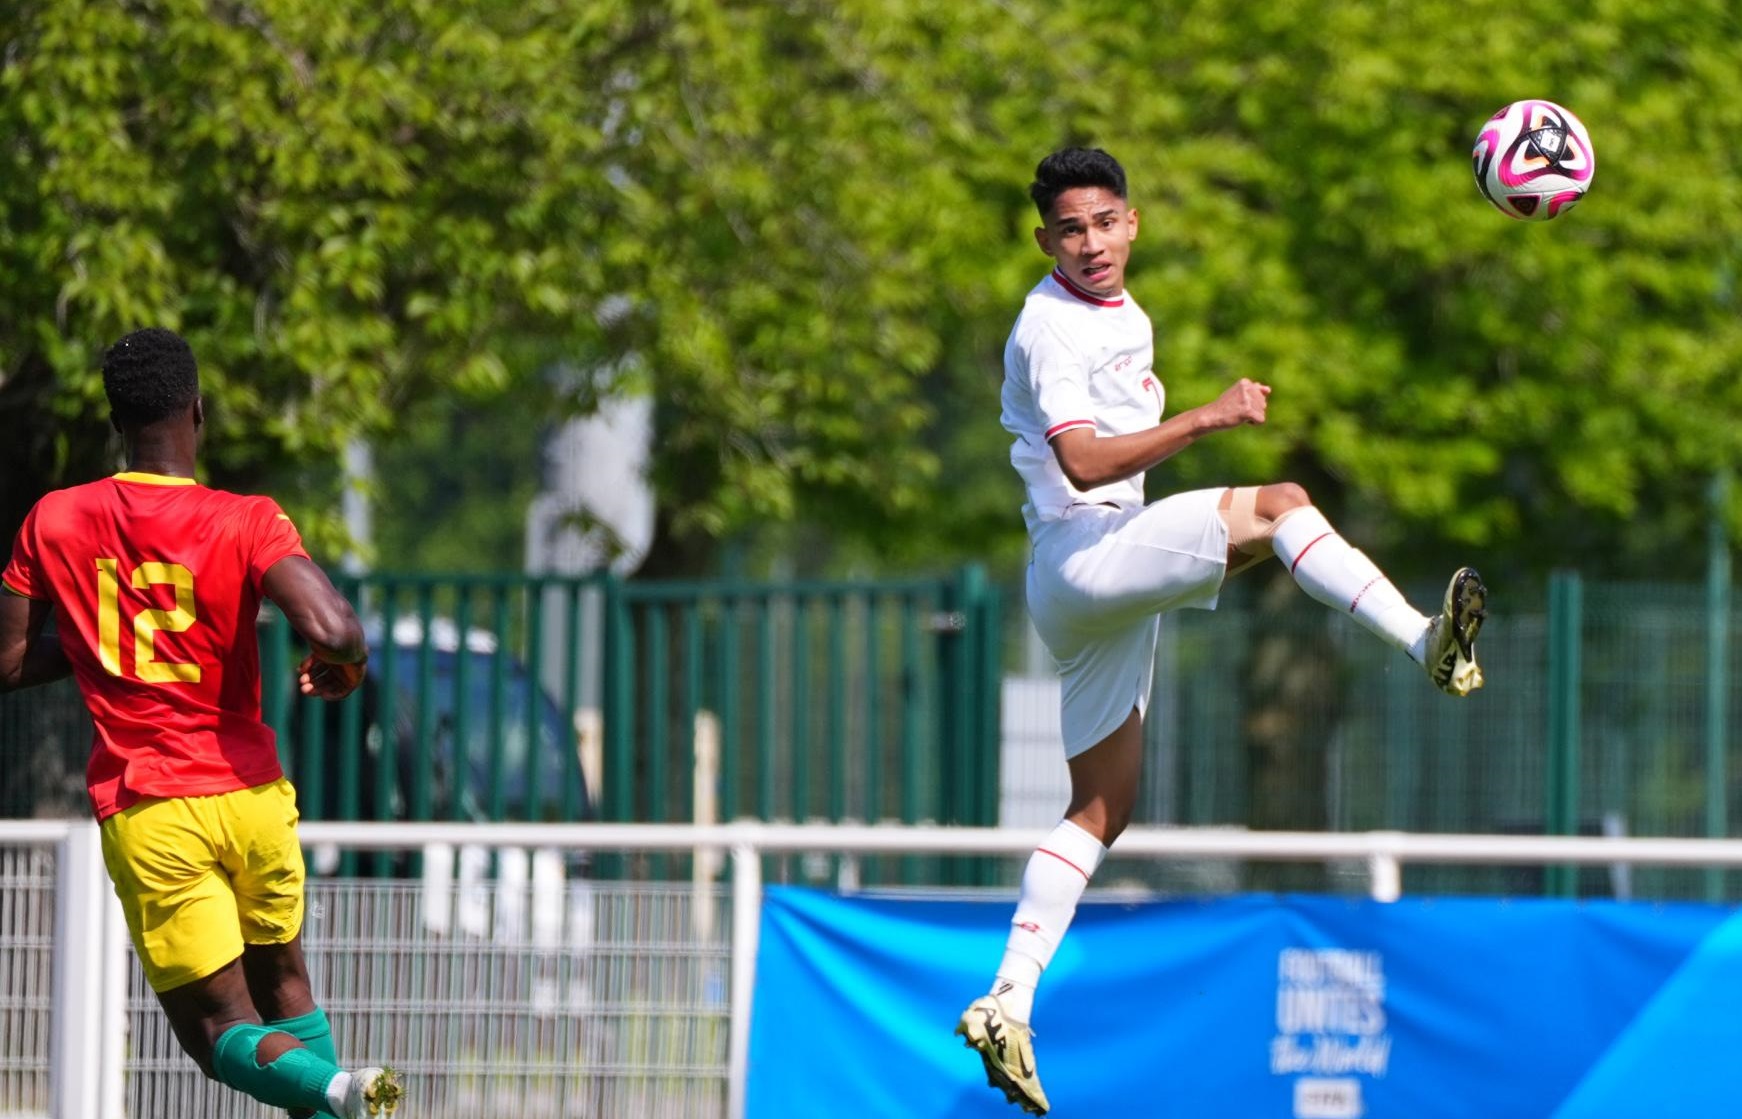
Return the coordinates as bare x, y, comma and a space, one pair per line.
802, 229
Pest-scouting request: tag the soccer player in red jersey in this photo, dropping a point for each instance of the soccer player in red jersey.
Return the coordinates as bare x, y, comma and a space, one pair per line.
154, 581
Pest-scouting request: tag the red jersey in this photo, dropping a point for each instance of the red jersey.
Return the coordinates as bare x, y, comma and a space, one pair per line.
155, 583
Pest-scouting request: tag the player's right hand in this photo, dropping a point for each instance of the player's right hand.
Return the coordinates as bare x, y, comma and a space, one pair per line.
1242, 402
328, 680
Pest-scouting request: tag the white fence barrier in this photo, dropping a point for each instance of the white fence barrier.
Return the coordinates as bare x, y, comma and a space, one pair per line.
533, 993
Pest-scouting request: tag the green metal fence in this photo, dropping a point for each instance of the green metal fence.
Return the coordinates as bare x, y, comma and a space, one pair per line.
1608, 707
810, 701
507, 697
45, 737
472, 708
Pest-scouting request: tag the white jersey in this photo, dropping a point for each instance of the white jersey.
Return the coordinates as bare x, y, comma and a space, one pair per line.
1076, 360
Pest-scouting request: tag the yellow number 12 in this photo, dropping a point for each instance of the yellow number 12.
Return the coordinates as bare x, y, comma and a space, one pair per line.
146, 623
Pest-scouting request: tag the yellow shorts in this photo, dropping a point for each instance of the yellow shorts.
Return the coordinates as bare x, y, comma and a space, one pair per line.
199, 877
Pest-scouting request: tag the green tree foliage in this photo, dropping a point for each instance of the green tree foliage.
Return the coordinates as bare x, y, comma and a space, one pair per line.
802, 227
347, 207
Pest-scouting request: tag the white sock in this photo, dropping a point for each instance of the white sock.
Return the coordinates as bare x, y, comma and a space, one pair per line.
1341, 577
337, 1089
1052, 885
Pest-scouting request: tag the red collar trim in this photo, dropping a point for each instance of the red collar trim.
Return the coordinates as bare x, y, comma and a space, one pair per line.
1086, 297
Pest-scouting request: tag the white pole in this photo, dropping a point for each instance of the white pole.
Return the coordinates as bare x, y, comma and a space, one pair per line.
438, 887
1384, 868
113, 1016
1171, 843
705, 865
77, 1064
44, 832
746, 921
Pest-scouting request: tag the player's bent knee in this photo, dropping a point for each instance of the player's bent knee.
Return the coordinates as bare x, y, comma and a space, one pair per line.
1253, 513
1099, 822
1280, 498
1103, 813
1248, 531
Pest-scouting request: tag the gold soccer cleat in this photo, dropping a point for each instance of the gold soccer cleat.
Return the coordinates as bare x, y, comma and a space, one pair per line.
1006, 1047
1451, 637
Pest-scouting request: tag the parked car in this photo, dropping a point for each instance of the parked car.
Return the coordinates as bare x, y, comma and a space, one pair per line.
532, 770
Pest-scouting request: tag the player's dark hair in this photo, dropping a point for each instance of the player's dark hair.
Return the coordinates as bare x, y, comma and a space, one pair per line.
1074, 167
150, 375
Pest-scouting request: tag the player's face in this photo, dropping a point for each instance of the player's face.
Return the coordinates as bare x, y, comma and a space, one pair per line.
1090, 234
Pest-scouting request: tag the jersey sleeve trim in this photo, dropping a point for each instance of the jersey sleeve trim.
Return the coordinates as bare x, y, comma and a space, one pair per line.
10, 589
1056, 429
274, 539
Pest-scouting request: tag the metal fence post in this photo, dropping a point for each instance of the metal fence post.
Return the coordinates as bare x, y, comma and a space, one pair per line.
617, 649
276, 691
1384, 872
1565, 626
112, 998
574, 807
835, 705
955, 711
876, 725
460, 725
729, 699
983, 692
799, 708
423, 759
614, 796
653, 694
989, 687
496, 777
90, 1021
746, 927
915, 779
1717, 673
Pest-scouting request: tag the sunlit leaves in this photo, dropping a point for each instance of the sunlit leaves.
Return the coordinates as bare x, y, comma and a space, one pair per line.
802, 227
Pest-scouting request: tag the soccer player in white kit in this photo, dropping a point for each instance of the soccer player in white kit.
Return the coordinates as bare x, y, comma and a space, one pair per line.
1083, 401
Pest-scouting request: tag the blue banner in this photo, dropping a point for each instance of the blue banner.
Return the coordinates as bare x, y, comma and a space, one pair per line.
1255, 1007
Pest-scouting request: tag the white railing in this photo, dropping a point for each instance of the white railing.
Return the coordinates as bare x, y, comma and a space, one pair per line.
88, 1042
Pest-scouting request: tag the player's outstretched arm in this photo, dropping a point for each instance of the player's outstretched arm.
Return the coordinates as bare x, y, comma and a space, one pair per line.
1091, 460
28, 654
321, 616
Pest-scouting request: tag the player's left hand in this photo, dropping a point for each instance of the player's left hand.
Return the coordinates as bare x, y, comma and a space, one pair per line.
327, 680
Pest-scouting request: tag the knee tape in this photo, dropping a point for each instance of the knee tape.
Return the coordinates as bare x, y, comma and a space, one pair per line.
1247, 531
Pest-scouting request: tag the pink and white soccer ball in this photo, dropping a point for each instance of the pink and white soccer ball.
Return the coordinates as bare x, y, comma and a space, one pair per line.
1533, 160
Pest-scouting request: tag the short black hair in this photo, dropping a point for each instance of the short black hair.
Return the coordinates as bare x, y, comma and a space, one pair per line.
150, 375
1074, 167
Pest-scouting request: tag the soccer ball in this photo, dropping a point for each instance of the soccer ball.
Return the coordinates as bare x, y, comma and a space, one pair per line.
1533, 160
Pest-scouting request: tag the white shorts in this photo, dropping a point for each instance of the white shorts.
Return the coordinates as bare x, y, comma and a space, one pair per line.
1098, 584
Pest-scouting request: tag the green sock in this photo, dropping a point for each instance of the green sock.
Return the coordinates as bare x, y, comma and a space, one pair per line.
298, 1078
313, 1030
